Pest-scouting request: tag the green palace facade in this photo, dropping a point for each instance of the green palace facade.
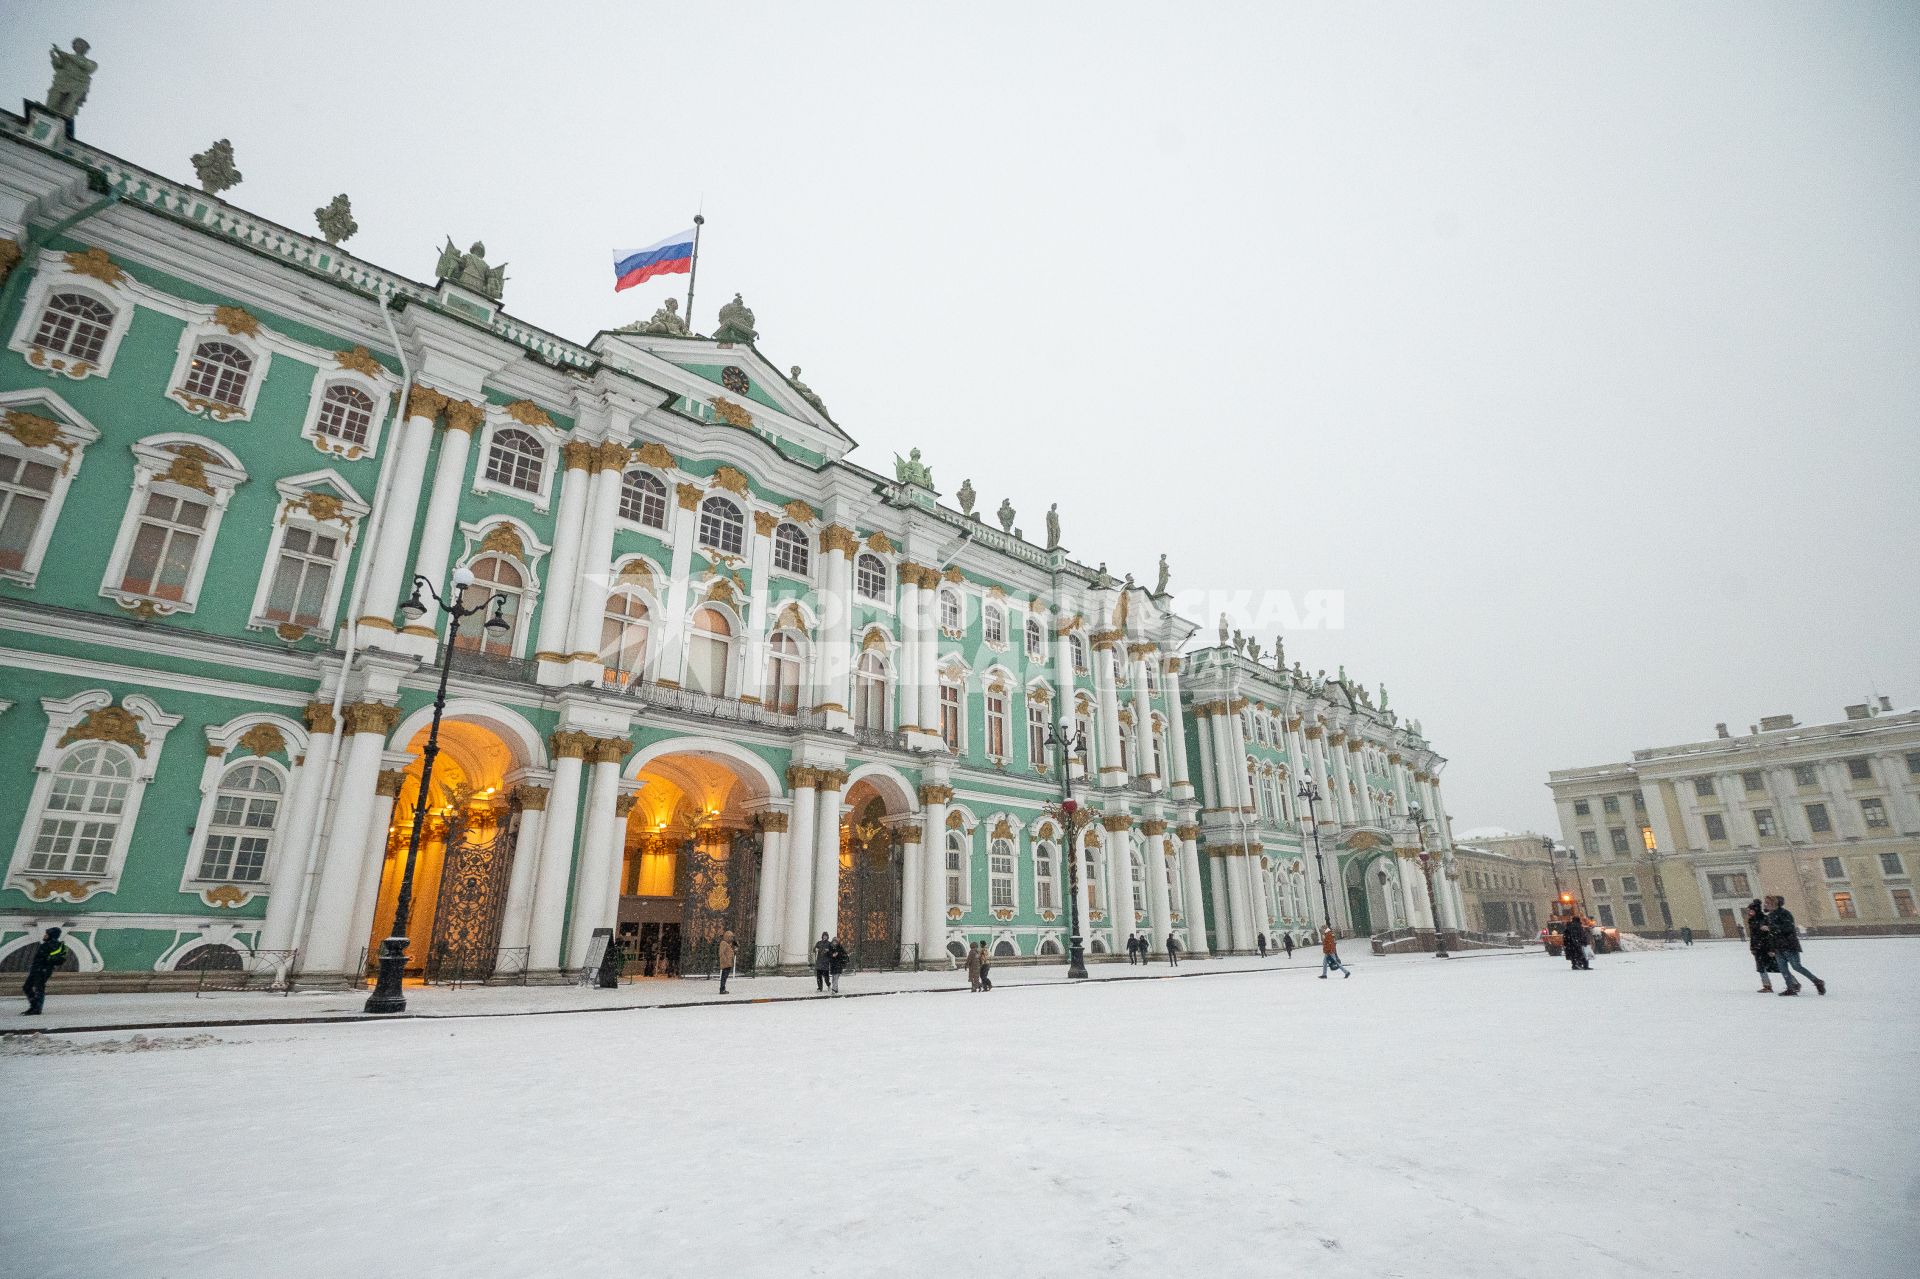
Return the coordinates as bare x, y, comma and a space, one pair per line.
739, 680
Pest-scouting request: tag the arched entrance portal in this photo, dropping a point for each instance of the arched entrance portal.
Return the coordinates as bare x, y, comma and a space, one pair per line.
1370, 891
692, 863
873, 872
465, 859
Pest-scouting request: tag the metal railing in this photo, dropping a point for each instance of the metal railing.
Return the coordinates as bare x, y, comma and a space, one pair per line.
880, 739
707, 706
267, 970
473, 661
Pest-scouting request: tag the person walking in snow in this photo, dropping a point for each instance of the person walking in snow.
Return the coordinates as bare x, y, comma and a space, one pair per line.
47, 957
836, 963
725, 958
986, 968
1173, 952
1330, 955
974, 962
822, 963
1286, 939
1573, 940
1686, 936
1760, 945
1786, 947
1261, 943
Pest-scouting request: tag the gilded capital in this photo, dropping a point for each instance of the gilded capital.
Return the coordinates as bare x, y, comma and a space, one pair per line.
371, 717
935, 793
1153, 826
689, 495
1313, 732
424, 401
462, 416
1116, 821
773, 823
612, 456
801, 777
608, 750
909, 834
1106, 639
533, 799
764, 522
577, 455
623, 804
319, 717
1187, 832
1174, 664
389, 781
653, 453
1140, 652
836, 537
570, 745
832, 779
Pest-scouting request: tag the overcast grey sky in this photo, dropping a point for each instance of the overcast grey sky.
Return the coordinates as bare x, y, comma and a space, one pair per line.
1575, 343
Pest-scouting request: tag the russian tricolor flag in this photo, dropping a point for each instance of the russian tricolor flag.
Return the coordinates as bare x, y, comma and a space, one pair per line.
671, 256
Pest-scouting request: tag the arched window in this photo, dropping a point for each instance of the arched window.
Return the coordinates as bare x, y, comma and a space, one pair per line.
492, 574
83, 811
1078, 643
219, 371
993, 625
1083, 732
209, 956
74, 324
792, 553
1153, 677
1037, 732
643, 499
1036, 640
1043, 893
783, 673
950, 615
516, 459
245, 810
1000, 874
623, 637
956, 864
870, 692
870, 577
1049, 946
721, 526
346, 414
1095, 882
1159, 763
997, 748
950, 716
708, 651
1005, 949
1126, 744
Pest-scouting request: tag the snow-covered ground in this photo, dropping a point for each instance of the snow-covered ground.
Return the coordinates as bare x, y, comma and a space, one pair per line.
1494, 1116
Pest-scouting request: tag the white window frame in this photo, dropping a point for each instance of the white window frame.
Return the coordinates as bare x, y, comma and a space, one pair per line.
949, 595
960, 841
296, 494
548, 440
377, 389
986, 724
862, 680
650, 655
1031, 626
991, 611
61, 278
1052, 880
958, 687
208, 330
736, 637
1039, 755
884, 600
64, 714
658, 532
773, 551
797, 661
224, 751
63, 453
1011, 877
154, 457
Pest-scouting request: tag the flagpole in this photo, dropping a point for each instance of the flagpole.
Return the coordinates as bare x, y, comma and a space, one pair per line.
693, 268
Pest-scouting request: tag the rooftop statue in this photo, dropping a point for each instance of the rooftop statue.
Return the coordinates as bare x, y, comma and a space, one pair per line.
1101, 579
1280, 654
1298, 673
666, 321
72, 77
1160, 584
1053, 526
1223, 630
1239, 640
806, 392
214, 168
1005, 515
469, 270
911, 470
336, 220
966, 496
1383, 697
736, 322
1253, 649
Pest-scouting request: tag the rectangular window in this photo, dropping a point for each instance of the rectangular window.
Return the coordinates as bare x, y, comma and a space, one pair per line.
1874, 813
1581, 808
1763, 822
1860, 769
1703, 786
1805, 775
1037, 734
1832, 868
1817, 820
1636, 915
1716, 828
1630, 884
1599, 887
1843, 906
1606, 914
1043, 876
996, 726
301, 577
1589, 842
1903, 903
953, 872
950, 716
1753, 782
1618, 834
1001, 868
164, 548
1610, 804
1913, 763
1731, 884
25, 487
1891, 866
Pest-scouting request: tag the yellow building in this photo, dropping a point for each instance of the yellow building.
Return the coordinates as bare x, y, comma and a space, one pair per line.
1506, 880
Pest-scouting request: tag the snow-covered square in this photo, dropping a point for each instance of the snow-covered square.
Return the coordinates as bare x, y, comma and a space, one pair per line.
1495, 1115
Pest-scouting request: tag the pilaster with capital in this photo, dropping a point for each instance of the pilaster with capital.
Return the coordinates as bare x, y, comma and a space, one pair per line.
597, 896
1182, 783
443, 500
796, 943
1113, 761
1142, 714
934, 801
835, 651
529, 799
290, 866
826, 850
554, 872
771, 910
1196, 904
1153, 834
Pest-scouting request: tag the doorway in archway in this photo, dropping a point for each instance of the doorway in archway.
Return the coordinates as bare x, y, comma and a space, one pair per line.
871, 879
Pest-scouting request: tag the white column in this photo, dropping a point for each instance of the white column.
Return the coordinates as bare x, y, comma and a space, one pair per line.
1120, 882
1063, 698
826, 853
591, 574
934, 799
290, 865
835, 668
672, 628
1113, 763
929, 716
385, 558
910, 673
1196, 905
1356, 768
379, 819
771, 912
913, 866
554, 872
595, 890
517, 915
1159, 908
1257, 894
1142, 712
554, 641
1227, 775
1083, 891
753, 665
1209, 779
1222, 900
338, 891
796, 943
443, 502
1181, 781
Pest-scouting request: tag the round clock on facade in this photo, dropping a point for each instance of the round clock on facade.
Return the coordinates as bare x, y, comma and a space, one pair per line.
734, 378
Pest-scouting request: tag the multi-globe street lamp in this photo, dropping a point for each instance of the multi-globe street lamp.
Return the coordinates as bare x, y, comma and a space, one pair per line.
388, 994
1066, 745
1426, 867
1309, 794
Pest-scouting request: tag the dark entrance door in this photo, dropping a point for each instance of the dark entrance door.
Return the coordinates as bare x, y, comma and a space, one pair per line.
870, 890
718, 883
472, 898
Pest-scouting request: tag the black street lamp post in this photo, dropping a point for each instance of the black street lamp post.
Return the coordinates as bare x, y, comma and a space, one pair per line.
1066, 745
1553, 865
1426, 867
1310, 795
388, 994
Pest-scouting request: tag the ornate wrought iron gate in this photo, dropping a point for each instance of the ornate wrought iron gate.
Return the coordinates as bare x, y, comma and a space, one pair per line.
473, 896
870, 888
718, 893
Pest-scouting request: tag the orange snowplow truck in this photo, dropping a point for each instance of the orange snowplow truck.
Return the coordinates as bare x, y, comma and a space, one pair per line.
1604, 940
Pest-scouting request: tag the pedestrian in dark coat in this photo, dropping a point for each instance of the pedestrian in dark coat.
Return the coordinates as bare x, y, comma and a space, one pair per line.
1686, 936
1286, 939
837, 963
1261, 943
1573, 940
1786, 947
726, 959
822, 963
47, 957
1173, 952
976, 960
1760, 945
986, 968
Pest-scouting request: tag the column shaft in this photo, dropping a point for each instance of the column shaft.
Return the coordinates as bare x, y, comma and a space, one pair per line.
796, 943
554, 872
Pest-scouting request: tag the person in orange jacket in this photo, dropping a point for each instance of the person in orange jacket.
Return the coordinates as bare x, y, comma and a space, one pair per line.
1330, 955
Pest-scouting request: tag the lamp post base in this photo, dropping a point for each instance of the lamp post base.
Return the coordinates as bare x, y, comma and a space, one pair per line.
1076, 959
389, 995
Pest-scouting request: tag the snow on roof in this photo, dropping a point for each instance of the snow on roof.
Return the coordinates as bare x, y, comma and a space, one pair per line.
1487, 832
